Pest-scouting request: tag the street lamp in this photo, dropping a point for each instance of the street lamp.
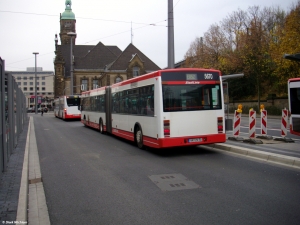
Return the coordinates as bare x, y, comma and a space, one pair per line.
71, 34
35, 53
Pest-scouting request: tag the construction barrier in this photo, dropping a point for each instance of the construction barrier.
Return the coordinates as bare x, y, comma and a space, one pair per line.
284, 122
264, 122
252, 121
236, 123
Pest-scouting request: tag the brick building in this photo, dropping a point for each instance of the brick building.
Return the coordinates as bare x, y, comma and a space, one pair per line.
93, 65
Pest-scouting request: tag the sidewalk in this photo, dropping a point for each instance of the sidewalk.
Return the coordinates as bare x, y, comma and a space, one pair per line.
23, 195
11, 180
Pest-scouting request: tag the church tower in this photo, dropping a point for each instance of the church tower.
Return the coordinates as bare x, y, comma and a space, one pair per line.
67, 24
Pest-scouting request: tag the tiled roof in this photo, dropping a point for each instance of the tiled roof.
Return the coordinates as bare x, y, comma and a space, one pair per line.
121, 63
98, 56
89, 56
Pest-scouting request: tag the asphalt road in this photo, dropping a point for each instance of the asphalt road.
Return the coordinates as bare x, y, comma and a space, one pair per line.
91, 178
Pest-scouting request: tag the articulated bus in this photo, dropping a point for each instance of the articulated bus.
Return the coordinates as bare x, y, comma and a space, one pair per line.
166, 108
294, 105
67, 107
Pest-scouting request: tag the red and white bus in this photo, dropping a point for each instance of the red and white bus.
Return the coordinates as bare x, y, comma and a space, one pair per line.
67, 107
294, 105
166, 108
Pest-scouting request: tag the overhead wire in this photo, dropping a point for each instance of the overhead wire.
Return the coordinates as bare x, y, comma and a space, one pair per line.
116, 21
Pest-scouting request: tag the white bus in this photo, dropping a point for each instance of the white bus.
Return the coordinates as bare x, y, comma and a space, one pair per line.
294, 105
67, 107
166, 108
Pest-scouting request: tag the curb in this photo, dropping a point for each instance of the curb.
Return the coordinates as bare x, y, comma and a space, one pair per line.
265, 156
32, 195
23, 193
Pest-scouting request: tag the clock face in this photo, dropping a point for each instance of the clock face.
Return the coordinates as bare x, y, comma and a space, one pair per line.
67, 24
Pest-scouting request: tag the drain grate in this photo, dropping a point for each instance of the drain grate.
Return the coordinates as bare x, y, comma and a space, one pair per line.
173, 182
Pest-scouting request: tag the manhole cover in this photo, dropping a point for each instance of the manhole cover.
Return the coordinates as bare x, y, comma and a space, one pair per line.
173, 182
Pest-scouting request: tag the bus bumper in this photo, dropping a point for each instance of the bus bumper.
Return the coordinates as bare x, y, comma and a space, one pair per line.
184, 141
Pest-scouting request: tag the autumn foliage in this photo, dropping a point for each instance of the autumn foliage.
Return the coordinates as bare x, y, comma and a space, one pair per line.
252, 42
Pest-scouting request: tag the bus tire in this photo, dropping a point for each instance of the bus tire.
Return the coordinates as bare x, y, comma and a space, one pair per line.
139, 137
101, 127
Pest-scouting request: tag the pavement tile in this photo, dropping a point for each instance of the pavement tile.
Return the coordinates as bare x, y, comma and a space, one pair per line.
11, 179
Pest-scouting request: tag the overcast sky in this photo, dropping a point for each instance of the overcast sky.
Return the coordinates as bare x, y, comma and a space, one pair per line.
29, 26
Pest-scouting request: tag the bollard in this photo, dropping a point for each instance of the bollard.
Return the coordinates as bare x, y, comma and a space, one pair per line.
264, 122
252, 121
284, 122
236, 123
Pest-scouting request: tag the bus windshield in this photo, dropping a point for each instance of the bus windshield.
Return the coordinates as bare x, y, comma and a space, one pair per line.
73, 101
191, 97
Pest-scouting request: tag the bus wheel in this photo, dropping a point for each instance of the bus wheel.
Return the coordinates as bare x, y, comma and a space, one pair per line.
101, 127
139, 138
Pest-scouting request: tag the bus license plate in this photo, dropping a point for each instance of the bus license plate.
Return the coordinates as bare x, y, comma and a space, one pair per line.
195, 140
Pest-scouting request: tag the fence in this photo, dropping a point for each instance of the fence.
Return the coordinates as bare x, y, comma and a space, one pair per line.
13, 115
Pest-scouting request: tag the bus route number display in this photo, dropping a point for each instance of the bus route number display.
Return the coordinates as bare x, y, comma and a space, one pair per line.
191, 76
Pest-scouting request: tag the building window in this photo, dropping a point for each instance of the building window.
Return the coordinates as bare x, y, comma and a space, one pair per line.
19, 78
136, 71
84, 83
37, 83
43, 83
19, 83
24, 78
25, 89
31, 89
43, 88
95, 84
31, 83
24, 83
37, 88
30, 78
43, 78
118, 79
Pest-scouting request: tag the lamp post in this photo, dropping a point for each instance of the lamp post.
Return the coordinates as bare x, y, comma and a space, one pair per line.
35, 53
71, 34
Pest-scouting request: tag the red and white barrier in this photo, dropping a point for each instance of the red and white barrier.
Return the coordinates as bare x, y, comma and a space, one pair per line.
252, 121
236, 123
264, 122
284, 122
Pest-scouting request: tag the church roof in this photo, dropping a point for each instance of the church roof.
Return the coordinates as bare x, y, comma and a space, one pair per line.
121, 63
88, 56
96, 58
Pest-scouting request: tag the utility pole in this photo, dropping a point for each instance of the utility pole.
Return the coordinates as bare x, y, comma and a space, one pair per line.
170, 35
35, 53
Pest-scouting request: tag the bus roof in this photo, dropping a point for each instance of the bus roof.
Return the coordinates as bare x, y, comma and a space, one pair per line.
159, 72
294, 79
150, 75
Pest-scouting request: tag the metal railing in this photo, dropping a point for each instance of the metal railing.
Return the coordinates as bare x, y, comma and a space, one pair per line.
13, 115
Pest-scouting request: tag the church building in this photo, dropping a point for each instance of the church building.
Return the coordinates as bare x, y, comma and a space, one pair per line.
93, 65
